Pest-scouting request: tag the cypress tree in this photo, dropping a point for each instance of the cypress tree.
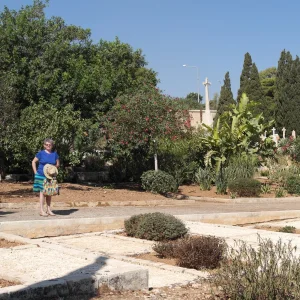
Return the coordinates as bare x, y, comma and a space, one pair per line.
226, 97
282, 90
245, 76
267, 79
255, 92
292, 107
250, 84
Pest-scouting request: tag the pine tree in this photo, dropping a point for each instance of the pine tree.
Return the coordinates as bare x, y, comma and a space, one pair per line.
245, 76
226, 97
282, 90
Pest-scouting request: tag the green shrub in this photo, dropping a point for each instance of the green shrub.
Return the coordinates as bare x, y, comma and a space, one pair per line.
158, 182
280, 192
264, 173
293, 185
132, 224
221, 183
158, 227
240, 167
204, 178
272, 271
288, 229
245, 187
194, 252
265, 188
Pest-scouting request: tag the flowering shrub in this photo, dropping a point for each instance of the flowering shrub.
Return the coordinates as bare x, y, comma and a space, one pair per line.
137, 120
287, 147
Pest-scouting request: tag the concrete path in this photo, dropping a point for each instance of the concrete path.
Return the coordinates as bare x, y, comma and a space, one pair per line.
199, 208
123, 248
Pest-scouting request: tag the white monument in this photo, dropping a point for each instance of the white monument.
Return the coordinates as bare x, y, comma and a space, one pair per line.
207, 117
283, 132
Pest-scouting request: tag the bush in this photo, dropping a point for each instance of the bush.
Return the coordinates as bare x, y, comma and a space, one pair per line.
280, 192
293, 185
240, 167
245, 187
265, 188
158, 182
221, 182
155, 226
204, 178
195, 252
200, 252
131, 225
272, 271
287, 229
165, 249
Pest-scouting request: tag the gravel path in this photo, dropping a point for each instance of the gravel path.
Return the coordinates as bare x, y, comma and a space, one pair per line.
200, 208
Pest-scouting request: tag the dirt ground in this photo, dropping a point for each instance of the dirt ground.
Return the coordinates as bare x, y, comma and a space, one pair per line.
22, 192
195, 291
6, 283
7, 244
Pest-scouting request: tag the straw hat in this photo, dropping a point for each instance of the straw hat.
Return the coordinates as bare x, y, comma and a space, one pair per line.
50, 171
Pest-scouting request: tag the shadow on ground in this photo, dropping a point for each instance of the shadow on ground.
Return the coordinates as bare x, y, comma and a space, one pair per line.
3, 213
76, 290
65, 212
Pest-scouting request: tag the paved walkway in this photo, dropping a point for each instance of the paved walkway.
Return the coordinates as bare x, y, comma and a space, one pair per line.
199, 208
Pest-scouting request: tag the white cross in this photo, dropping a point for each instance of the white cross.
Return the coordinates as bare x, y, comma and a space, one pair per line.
273, 130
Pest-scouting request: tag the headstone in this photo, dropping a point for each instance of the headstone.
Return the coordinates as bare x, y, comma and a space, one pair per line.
283, 132
275, 140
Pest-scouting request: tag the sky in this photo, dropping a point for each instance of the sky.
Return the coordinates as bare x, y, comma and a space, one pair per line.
211, 35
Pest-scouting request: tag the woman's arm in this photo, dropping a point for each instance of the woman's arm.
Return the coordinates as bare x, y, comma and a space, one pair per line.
34, 161
57, 163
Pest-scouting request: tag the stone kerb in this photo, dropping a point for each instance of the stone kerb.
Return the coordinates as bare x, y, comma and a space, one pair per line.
81, 286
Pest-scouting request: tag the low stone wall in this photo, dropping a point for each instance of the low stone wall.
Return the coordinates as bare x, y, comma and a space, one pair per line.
17, 177
77, 286
92, 176
81, 177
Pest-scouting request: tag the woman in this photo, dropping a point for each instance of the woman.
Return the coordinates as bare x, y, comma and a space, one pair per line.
43, 157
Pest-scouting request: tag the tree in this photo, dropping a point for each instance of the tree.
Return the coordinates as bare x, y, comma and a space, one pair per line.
190, 102
41, 121
250, 85
283, 90
267, 79
137, 122
213, 104
255, 92
46, 59
226, 97
245, 76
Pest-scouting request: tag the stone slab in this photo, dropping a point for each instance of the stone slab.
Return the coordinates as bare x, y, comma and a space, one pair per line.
72, 272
